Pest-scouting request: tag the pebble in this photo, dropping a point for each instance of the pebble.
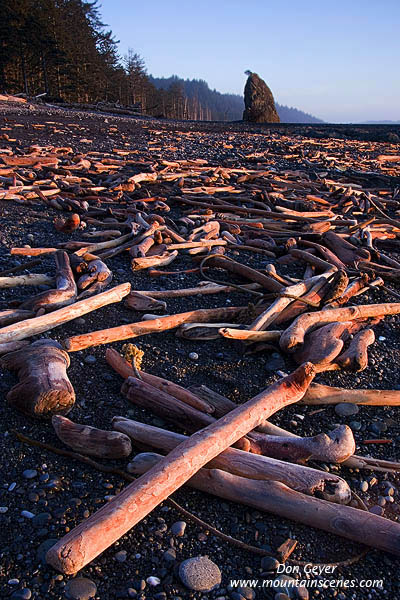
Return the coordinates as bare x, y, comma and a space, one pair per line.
376, 510
13, 581
193, 356
275, 363
364, 486
291, 589
80, 588
24, 594
355, 425
178, 528
121, 556
41, 519
12, 486
29, 473
3, 509
44, 548
80, 321
345, 409
199, 574
169, 555
378, 427
281, 596
269, 563
27, 514
153, 581
381, 501
90, 359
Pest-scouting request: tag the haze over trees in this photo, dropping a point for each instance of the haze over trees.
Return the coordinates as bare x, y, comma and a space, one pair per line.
62, 49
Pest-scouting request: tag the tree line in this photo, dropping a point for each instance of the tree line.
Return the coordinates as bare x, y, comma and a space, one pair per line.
61, 48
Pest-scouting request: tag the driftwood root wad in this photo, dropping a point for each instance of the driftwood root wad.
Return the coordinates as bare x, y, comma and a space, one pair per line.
44, 388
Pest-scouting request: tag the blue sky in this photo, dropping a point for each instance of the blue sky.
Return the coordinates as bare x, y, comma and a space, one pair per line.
338, 60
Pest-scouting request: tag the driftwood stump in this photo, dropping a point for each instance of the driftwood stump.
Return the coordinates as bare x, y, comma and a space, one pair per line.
44, 388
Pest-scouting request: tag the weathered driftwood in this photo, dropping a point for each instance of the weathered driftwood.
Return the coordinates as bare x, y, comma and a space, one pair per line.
336, 446
287, 295
65, 293
125, 332
44, 388
8, 317
201, 331
203, 289
277, 498
324, 394
29, 327
323, 291
12, 346
244, 271
324, 344
355, 357
31, 279
293, 336
140, 301
250, 336
97, 270
157, 260
346, 252
300, 478
90, 440
32, 251
123, 368
103, 528
223, 405
69, 224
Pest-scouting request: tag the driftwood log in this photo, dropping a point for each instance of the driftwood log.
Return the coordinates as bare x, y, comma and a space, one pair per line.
65, 293
125, 332
324, 394
306, 480
336, 446
90, 440
30, 279
44, 388
29, 327
277, 498
93, 536
294, 335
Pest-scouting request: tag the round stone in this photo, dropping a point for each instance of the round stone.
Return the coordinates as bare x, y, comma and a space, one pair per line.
27, 514
80, 588
29, 473
269, 563
153, 581
199, 574
44, 548
24, 594
3, 510
345, 409
169, 555
193, 356
90, 359
376, 510
364, 486
121, 556
178, 528
281, 596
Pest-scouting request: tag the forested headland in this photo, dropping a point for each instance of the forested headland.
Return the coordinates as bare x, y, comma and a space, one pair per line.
62, 49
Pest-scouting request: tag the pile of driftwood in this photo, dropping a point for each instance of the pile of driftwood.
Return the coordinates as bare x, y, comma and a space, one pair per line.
339, 234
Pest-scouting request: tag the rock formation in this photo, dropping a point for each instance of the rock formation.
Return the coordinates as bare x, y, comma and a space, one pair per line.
259, 101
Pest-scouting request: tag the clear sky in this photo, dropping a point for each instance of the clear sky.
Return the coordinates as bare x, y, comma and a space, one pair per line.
338, 60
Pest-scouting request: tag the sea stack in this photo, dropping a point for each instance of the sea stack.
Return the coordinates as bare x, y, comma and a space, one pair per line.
259, 101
